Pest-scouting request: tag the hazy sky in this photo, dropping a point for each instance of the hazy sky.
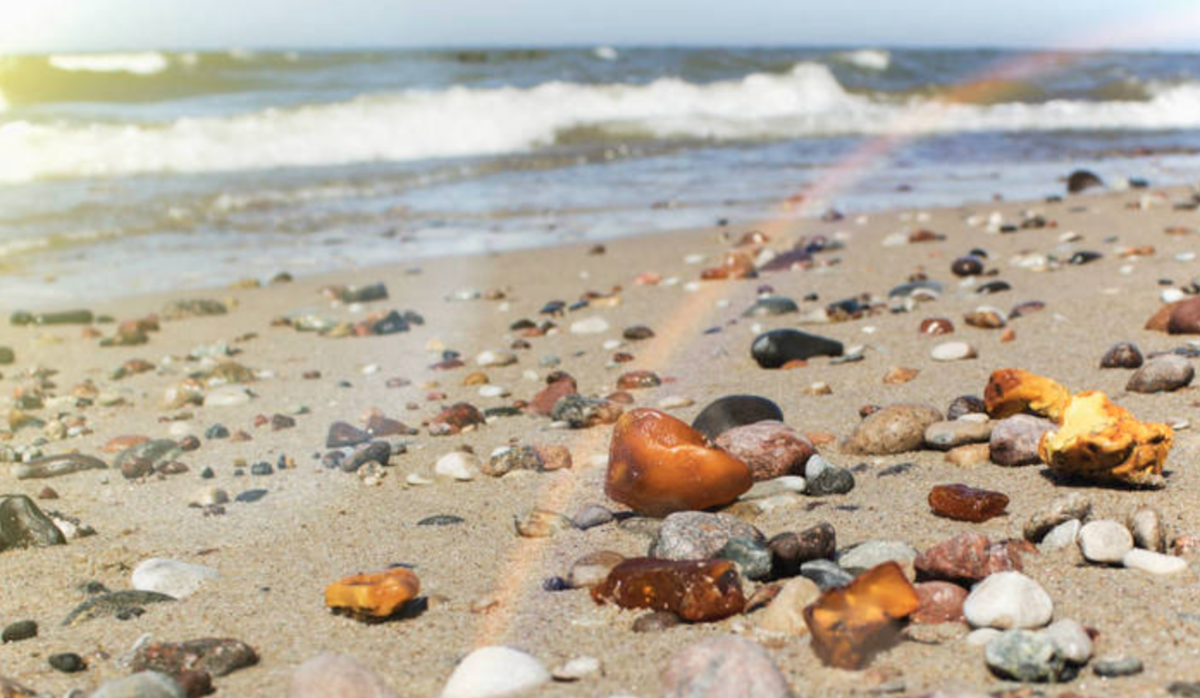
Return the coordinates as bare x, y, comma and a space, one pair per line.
61, 25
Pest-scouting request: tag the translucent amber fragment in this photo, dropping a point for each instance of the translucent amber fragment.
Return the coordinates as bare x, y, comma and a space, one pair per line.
658, 465
735, 265
851, 624
1100, 440
964, 503
695, 590
376, 595
1012, 391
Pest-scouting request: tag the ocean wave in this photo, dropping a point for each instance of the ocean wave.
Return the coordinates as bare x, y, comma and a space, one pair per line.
423, 124
866, 58
140, 63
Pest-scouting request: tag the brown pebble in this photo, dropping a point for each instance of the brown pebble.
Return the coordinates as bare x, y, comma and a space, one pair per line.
47, 493
897, 375
970, 454
936, 326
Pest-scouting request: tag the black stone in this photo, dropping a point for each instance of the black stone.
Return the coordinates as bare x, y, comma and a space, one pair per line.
1122, 355
638, 332
441, 520
826, 574
555, 584
897, 469
970, 265
993, 287
731, 411
965, 404
791, 550
250, 496
207, 473
21, 630
262, 468
375, 452
905, 290
777, 347
391, 323
1080, 180
67, 662
1083, 257
832, 480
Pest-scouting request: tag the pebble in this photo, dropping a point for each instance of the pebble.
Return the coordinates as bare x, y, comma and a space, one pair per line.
1014, 440
1116, 667
458, 465
250, 496
752, 556
822, 478
785, 613
541, 523
54, 466
67, 662
777, 347
935, 326
593, 515
1105, 542
1153, 563
655, 621
728, 666
827, 574
336, 676
981, 636
210, 496
495, 358
227, 396
171, 577
971, 454
698, 535
872, 553
593, 568
1008, 600
1075, 505
894, 429
145, 684
1162, 373
1022, 655
1122, 355
946, 435
771, 305
772, 449
953, 351
18, 631
941, 602
22, 524
1061, 536
964, 503
965, 405
1072, 639
790, 550
581, 412
494, 671
592, 325
1148, 529
577, 668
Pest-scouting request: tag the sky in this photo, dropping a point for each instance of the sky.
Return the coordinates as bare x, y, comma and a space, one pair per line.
105, 25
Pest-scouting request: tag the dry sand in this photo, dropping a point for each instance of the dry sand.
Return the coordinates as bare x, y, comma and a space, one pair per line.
276, 556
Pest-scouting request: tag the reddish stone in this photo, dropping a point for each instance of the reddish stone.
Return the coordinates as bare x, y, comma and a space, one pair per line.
695, 590
554, 457
1160, 320
120, 443
620, 397
735, 265
936, 326
213, 656
634, 380
770, 448
454, 419
622, 357
647, 278
1185, 318
793, 363
447, 365
963, 503
925, 236
820, 438
753, 238
379, 425
967, 557
941, 602
543, 403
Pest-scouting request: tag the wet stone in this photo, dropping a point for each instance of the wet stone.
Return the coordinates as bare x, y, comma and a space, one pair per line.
775, 348
964, 503
1122, 355
696, 591
733, 411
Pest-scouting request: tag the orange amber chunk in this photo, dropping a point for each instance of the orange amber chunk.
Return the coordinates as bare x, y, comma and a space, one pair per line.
1012, 391
963, 503
695, 590
378, 595
658, 465
851, 624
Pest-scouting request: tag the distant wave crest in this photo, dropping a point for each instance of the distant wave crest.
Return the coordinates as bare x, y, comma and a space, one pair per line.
412, 125
141, 63
867, 58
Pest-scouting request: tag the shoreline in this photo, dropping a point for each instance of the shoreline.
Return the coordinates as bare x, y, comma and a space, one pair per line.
317, 525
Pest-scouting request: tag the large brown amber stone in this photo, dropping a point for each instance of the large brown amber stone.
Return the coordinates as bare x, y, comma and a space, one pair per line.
376, 595
695, 590
964, 503
1012, 391
658, 465
851, 624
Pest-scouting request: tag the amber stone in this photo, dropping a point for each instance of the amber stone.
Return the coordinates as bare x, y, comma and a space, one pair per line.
1012, 391
455, 418
695, 590
120, 443
658, 465
735, 265
984, 319
851, 624
964, 503
900, 374
375, 595
634, 380
936, 326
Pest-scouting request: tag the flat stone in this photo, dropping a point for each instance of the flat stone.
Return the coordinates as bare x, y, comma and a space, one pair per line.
592, 325
771, 305
119, 604
171, 577
145, 684
871, 553
214, 656
953, 351
1153, 563
698, 535
1075, 505
493, 671
1008, 600
22, 524
1105, 542
1022, 655
771, 449
946, 435
827, 574
1014, 440
1116, 667
728, 666
1062, 536
1163, 373
54, 466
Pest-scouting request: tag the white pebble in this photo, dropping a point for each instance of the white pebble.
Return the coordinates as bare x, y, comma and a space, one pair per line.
952, 351
495, 671
982, 636
1105, 541
1154, 563
675, 401
417, 480
1072, 640
493, 391
1171, 295
1007, 601
1061, 536
592, 325
227, 396
370, 369
495, 358
459, 465
692, 286
171, 577
694, 259
577, 668
1185, 257
610, 344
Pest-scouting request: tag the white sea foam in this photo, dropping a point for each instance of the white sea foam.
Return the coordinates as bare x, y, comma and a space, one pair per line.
141, 63
807, 101
867, 58
605, 53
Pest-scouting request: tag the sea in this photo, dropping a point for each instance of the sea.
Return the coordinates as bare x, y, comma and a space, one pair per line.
126, 173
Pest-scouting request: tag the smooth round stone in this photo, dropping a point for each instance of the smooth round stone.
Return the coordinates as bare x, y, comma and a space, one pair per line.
66, 662
1075, 505
733, 411
777, 347
336, 676
771, 305
785, 613
1022, 655
1105, 542
964, 405
593, 515
1014, 440
1008, 600
944, 436
1161, 374
907, 289
728, 666
827, 574
982, 636
1116, 667
1061, 536
1122, 355
967, 265
953, 351
772, 449
171, 577
18, 631
698, 535
577, 668
870, 553
1153, 563
891, 430
458, 465
227, 396
751, 556
493, 391
496, 358
144, 684
1148, 529
823, 478
592, 325
1072, 639
494, 671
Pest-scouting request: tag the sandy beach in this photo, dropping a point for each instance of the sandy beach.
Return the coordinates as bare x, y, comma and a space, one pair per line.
483, 584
